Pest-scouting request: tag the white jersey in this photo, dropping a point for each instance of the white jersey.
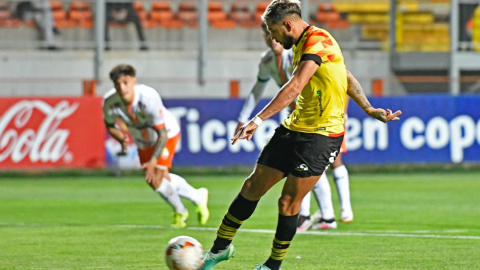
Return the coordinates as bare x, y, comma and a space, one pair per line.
268, 69
145, 114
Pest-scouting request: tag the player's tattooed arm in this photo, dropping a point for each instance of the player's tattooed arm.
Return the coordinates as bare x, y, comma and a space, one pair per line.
161, 142
355, 91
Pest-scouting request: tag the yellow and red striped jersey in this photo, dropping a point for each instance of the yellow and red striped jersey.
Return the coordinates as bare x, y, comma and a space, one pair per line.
321, 105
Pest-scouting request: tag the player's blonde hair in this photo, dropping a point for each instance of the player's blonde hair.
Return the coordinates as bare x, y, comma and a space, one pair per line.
278, 9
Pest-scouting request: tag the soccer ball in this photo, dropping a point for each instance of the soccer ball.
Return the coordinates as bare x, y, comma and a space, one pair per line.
184, 253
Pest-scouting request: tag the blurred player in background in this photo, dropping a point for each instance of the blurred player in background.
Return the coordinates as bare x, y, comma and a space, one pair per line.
324, 217
306, 142
277, 64
156, 134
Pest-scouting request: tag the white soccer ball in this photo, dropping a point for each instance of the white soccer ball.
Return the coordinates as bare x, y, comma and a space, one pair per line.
184, 253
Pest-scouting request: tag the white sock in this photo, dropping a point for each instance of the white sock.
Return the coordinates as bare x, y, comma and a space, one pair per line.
305, 206
341, 180
184, 189
324, 197
167, 192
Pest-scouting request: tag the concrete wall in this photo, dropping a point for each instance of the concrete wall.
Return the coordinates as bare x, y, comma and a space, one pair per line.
172, 73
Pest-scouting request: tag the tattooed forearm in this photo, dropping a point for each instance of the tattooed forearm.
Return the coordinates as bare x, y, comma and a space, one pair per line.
355, 91
162, 140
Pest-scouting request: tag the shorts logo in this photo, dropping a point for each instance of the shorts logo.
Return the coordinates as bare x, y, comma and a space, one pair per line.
331, 159
302, 168
332, 156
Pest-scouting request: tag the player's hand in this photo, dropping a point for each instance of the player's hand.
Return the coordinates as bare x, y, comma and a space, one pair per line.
149, 168
239, 125
245, 132
125, 143
383, 115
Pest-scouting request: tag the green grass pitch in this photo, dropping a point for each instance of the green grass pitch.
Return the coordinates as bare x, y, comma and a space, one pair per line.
402, 221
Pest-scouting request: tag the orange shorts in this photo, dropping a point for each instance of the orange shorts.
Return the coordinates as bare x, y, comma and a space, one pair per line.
165, 160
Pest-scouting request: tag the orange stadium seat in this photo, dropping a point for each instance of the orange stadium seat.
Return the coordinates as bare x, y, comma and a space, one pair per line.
260, 9
250, 24
187, 12
56, 5
6, 18
338, 24
224, 24
79, 5
4, 14
216, 12
137, 5
59, 15
148, 24
325, 17
172, 24
239, 12
88, 24
161, 11
65, 24
80, 11
81, 15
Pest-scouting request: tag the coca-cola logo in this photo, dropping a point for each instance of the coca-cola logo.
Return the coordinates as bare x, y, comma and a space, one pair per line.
47, 144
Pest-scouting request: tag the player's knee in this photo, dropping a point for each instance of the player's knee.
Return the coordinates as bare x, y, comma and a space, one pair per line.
285, 203
288, 206
250, 191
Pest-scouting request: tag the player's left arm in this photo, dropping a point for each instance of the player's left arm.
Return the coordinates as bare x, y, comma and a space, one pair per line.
284, 97
355, 91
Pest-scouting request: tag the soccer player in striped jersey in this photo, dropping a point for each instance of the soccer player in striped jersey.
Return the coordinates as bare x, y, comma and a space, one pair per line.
156, 133
277, 63
306, 142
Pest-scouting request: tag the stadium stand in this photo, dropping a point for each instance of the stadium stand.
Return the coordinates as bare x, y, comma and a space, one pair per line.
369, 20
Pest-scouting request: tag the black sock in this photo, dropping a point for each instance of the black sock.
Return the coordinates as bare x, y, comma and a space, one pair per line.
286, 229
240, 210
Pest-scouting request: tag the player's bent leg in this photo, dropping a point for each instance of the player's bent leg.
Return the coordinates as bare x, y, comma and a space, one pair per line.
260, 181
170, 195
198, 196
241, 209
293, 192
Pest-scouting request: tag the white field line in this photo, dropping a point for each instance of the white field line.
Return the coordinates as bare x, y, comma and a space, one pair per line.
261, 231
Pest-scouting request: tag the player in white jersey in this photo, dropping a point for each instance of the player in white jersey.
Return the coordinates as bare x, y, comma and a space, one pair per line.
156, 133
277, 64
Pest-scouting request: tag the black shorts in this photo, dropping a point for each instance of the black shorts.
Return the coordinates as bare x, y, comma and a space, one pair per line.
300, 154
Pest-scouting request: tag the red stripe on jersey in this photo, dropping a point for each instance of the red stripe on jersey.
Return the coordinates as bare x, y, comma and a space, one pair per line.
336, 135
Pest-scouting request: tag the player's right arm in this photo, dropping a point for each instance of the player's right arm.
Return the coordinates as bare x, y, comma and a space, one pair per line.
109, 119
118, 135
255, 95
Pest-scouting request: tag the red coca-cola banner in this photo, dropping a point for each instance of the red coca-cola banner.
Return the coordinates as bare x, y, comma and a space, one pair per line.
51, 133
